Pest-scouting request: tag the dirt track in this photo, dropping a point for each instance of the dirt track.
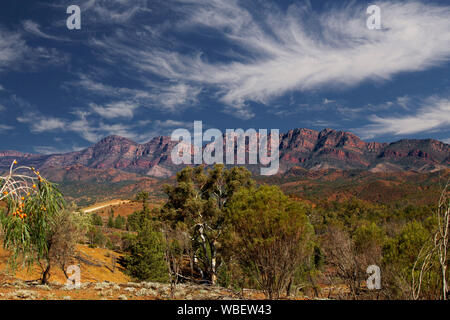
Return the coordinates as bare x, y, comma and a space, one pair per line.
105, 205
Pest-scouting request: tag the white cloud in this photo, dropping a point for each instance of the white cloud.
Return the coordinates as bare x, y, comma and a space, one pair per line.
446, 140
39, 124
119, 109
5, 127
55, 150
12, 48
433, 114
173, 96
81, 126
172, 124
403, 102
93, 129
280, 52
327, 101
114, 11
34, 28
165, 97
15, 53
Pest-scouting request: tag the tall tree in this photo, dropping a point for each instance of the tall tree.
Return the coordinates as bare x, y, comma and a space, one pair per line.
143, 196
198, 201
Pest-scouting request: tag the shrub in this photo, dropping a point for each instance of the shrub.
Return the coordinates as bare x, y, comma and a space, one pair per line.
96, 220
350, 255
270, 235
146, 258
119, 222
110, 223
96, 237
399, 255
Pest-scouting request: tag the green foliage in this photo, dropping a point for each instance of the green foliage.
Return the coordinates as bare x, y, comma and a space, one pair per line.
143, 196
399, 255
146, 258
29, 237
119, 222
110, 223
82, 220
349, 215
197, 203
408, 188
137, 219
96, 220
271, 236
368, 236
404, 248
231, 275
96, 237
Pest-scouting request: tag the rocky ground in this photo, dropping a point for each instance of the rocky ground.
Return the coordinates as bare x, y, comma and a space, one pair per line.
13, 289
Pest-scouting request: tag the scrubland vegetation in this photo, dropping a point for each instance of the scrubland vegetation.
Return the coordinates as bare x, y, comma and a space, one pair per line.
218, 227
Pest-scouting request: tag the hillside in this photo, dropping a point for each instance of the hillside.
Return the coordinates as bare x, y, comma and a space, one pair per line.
410, 187
102, 278
117, 168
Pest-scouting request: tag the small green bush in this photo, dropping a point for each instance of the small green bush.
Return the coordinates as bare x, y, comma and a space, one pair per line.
119, 222
96, 220
146, 258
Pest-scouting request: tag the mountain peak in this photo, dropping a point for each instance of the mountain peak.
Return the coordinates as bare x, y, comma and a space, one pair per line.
114, 139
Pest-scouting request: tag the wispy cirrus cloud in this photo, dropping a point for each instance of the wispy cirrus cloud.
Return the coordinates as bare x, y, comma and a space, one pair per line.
90, 127
432, 114
39, 124
115, 11
298, 49
5, 127
119, 109
174, 96
170, 97
12, 48
56, 150
16, 53
35, 29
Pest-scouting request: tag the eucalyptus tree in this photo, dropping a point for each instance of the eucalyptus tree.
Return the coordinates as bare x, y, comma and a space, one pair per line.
197, 204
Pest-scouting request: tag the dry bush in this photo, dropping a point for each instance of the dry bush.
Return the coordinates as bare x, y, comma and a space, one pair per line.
349, 258
66, 231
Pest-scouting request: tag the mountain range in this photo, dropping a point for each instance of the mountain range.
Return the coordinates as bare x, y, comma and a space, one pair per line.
309, 149
117, 166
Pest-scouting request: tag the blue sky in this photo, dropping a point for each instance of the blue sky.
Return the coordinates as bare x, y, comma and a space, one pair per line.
142, 68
